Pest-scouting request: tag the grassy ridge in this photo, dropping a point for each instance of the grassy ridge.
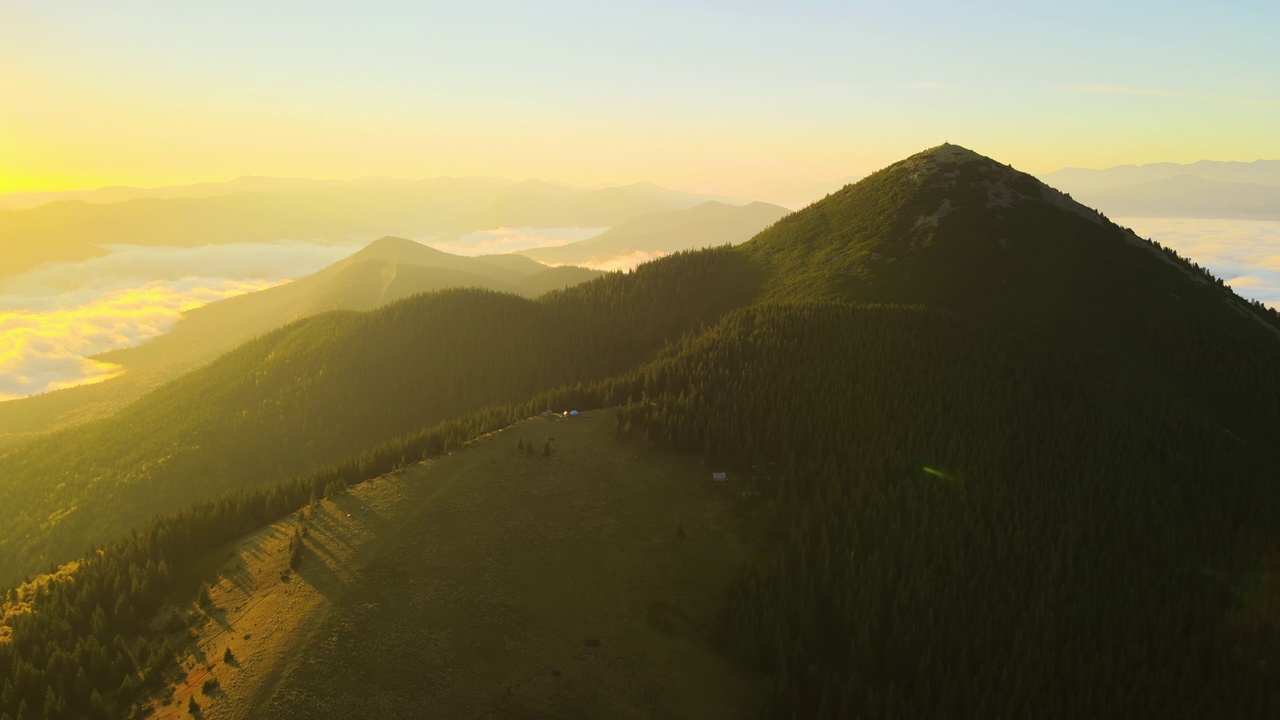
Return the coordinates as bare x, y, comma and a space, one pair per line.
519, 585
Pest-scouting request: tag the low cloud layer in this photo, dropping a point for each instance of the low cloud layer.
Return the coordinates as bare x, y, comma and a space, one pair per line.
622, 261
53, 319
133, 266
1244, 253
48, 349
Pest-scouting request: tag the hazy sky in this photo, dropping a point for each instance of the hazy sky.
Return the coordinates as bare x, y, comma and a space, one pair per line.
715, 96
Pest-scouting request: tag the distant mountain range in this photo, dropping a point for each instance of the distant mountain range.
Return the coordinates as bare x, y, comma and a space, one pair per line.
442, 208
245, 183
1205, 189
661, 233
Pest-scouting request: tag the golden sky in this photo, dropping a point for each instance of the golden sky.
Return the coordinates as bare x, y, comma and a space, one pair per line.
743, 98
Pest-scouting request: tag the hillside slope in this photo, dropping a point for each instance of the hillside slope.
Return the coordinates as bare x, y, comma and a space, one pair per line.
331, 386
571, 596
386, 270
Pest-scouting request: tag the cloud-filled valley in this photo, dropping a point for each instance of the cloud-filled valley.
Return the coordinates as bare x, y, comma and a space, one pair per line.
54, 319
1244, 253
51, 348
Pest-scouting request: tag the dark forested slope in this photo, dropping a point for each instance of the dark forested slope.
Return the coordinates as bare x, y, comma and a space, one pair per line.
949, 228
973, 525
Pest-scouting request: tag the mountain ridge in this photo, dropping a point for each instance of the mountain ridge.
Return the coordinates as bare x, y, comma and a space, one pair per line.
1006, 459
1204, 189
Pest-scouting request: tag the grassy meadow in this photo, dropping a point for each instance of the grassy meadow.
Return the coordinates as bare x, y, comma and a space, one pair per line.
487, 583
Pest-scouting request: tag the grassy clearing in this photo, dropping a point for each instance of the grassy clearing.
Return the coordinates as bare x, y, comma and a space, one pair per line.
489, 583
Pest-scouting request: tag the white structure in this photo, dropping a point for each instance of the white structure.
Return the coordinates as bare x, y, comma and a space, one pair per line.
719, 476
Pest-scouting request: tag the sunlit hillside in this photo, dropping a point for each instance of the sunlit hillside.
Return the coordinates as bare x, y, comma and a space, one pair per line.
384, 271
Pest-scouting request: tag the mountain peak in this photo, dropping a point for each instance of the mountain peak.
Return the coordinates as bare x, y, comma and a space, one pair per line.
936, 227
953, 170
391, 242
395, 248
949, 153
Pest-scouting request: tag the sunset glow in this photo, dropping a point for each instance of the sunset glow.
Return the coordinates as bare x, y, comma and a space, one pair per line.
750, 99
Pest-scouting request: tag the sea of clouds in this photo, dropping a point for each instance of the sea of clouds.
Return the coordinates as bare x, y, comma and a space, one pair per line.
54, 318
1244, 253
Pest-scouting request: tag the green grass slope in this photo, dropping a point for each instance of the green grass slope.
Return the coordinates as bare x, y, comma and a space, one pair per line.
518, 585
